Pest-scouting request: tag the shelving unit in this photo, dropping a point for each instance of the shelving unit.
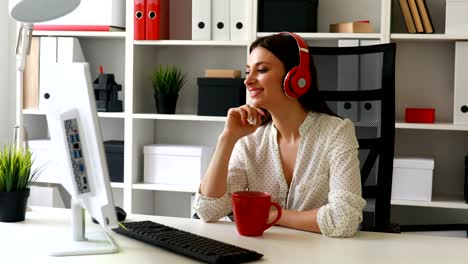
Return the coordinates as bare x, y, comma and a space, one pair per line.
424, 78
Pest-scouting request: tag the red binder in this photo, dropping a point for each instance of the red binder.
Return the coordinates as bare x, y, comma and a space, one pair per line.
139, 20
157, 19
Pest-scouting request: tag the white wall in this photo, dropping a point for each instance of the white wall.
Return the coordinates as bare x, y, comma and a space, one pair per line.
7, 74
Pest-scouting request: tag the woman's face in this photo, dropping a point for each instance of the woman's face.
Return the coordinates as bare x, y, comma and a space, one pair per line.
264, 78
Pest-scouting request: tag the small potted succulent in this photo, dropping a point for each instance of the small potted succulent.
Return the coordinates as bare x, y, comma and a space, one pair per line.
16, 178
167, 82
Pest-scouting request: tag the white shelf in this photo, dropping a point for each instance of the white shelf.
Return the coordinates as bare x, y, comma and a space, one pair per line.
33, 112
189, 43
435, 126
117, 185
111, 114
165, 187
438, 201
330, 35
81, 34
100, 114
428, 37
180, 117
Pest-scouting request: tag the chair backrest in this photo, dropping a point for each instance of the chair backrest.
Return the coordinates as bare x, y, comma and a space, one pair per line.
359, 83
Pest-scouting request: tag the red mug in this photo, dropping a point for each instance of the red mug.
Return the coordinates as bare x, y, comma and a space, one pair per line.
251, 210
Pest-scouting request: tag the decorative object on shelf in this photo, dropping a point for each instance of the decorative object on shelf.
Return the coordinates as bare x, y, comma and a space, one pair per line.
362, 26
106, 93
167, 82
16, 178
217, 95
420, 115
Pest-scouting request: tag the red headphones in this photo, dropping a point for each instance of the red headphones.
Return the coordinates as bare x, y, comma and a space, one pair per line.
297, 80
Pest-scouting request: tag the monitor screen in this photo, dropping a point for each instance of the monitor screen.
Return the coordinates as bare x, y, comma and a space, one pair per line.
76, 135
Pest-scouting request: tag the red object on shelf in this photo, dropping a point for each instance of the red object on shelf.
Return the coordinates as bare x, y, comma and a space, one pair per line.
419, 115
139, 20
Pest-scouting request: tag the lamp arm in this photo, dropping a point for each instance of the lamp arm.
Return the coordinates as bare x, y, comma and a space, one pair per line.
23, 44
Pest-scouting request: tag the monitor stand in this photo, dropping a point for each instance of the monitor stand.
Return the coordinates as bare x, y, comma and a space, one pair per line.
91, 243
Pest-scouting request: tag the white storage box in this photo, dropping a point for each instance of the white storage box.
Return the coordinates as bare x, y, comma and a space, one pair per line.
412, 178
43, 156
175, 164
93, 13
456, 16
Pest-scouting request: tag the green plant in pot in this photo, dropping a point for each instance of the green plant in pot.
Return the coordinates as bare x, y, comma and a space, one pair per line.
167, 82
16, 178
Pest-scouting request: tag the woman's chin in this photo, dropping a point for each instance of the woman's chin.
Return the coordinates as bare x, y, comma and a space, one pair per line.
256, 103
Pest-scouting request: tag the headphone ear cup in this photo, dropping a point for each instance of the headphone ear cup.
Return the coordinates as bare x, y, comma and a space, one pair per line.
288, 85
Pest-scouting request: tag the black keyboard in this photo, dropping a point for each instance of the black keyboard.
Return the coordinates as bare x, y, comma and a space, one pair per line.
188, 244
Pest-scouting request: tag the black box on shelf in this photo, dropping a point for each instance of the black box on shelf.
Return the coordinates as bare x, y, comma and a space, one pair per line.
291, 15
465, 187
217, 95
115, 159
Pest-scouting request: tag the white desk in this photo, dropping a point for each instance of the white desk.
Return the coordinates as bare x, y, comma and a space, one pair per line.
22, 242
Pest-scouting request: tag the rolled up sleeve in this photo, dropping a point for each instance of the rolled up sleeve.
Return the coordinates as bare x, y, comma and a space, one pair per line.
341, 216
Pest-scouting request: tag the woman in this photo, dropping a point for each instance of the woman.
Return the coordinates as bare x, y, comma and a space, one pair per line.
303, 155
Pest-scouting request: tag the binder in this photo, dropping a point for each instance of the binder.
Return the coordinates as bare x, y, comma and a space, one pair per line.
370, 78
460, 102
239, 23
31, 77
139, 19
47, 58
407, 16
157, 19
220, 13
201, 19
425, 17
69, 50
416, 18
348, 80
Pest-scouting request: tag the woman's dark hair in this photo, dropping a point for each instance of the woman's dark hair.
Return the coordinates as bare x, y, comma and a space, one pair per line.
285, 48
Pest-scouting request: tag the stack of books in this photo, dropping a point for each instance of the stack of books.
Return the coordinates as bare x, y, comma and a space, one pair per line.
416, 15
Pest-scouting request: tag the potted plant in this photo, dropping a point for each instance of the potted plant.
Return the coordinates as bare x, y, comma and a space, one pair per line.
16, 178
167, 82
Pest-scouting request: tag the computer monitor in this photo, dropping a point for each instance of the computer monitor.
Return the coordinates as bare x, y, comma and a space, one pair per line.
76, 135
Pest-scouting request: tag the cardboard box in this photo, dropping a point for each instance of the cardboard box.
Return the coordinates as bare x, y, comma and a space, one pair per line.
218, 73
456, 19
176, 164
352, 27
412, 178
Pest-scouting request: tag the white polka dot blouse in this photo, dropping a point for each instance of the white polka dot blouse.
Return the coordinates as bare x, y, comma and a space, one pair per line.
326, 174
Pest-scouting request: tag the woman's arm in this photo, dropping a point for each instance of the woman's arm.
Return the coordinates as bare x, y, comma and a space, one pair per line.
214, 183
305, 220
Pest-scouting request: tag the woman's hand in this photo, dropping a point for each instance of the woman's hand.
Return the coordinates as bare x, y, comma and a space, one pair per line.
242, 121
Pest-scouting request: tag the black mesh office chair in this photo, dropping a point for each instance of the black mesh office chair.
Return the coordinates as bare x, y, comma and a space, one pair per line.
359, 83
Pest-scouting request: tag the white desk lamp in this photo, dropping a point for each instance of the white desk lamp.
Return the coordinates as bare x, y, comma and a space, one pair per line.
29, 12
